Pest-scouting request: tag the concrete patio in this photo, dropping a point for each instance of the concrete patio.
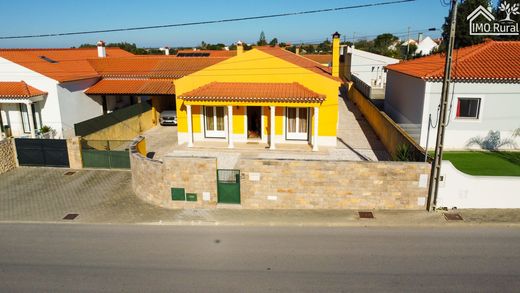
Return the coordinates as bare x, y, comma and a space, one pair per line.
356, 142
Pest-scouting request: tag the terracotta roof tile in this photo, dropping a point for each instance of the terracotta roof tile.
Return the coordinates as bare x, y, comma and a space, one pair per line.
153, 67
18, 89
491, 60
60, 64
132, 87
249, 91
298, 60
320, 58
212, 53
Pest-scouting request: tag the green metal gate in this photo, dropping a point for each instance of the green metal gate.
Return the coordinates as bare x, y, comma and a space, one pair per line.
228, 186
106, 154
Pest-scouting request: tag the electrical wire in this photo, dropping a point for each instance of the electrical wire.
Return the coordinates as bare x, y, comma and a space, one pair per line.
207, 21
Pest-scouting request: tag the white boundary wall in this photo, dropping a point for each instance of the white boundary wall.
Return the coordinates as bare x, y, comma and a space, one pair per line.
477, 192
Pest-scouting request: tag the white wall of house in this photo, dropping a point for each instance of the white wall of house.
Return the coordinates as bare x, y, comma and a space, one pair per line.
368, 67
410, 100
499, 110
404, 98
477, 192
50, 110
75, 105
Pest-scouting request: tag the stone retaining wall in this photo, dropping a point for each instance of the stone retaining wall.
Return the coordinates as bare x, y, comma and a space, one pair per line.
7, 156
285, 184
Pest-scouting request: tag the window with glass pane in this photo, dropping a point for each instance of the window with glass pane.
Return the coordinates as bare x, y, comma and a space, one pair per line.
210, 123
468, 108
291, 119
297, 123
302, 120
220, 118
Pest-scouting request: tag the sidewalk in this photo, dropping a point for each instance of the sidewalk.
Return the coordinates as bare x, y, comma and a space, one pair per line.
105, 197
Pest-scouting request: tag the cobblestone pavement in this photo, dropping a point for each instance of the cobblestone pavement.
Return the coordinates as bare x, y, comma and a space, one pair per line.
102, 196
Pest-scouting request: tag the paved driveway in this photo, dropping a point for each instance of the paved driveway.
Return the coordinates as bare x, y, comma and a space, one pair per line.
46, 194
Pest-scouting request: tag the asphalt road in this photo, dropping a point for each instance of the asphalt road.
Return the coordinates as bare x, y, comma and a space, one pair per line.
80, 257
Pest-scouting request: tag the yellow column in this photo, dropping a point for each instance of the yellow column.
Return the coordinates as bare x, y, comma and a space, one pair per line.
190, 128
272, 127
335, 54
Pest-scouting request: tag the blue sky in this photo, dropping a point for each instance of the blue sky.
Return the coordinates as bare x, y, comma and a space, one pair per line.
34, 17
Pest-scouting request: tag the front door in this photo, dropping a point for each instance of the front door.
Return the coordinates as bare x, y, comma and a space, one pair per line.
228, 186
214, 122
297, 123
254, 122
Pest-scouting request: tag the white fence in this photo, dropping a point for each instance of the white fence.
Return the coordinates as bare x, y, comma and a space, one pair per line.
477, 192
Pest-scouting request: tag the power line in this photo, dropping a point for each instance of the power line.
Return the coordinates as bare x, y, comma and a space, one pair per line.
208, 21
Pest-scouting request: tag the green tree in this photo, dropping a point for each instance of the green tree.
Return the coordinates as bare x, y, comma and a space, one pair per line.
262, 41
462, 36
384, 41
325, 46
513, 14
273, 42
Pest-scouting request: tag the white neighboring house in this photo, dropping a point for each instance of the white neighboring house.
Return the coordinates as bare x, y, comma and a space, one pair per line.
366, 66
426, 46
62, 75
484, 94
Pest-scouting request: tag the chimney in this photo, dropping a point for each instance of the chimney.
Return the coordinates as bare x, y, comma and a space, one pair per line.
101, 50
420, 38
166, 50
240, 48
335, 54
297, 50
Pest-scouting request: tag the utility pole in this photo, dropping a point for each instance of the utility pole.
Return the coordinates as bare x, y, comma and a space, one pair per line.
433, 187
408, 43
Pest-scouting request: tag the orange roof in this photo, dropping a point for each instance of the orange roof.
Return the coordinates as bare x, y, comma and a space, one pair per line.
60, 64
491, 60
152, 67
298, 60
320, 58
132, 87
212, 53
253, 92
18, 89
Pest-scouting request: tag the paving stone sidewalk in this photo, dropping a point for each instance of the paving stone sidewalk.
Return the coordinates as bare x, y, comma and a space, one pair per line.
103, 196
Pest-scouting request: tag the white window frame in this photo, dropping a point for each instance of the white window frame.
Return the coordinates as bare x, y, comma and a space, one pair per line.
213, 133
480, 103
296, 135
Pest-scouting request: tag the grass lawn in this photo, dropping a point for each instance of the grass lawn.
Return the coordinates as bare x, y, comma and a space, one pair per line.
485, 163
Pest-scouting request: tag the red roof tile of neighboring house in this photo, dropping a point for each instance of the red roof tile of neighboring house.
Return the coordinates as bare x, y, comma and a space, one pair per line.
320, 58
212, 53
298, 60
132, 87
153, 67
251, 92
491, 60
60, 64
18, 89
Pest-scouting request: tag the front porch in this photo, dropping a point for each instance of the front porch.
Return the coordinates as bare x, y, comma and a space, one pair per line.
20, 111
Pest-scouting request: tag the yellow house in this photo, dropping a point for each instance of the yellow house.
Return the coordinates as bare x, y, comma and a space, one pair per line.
266, 95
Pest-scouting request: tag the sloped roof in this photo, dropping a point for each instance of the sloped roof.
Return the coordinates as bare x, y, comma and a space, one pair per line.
18, 89
151, 67
211, 53
60, 64
253, 92
491, 60
320, 58
132, 87
298, 60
